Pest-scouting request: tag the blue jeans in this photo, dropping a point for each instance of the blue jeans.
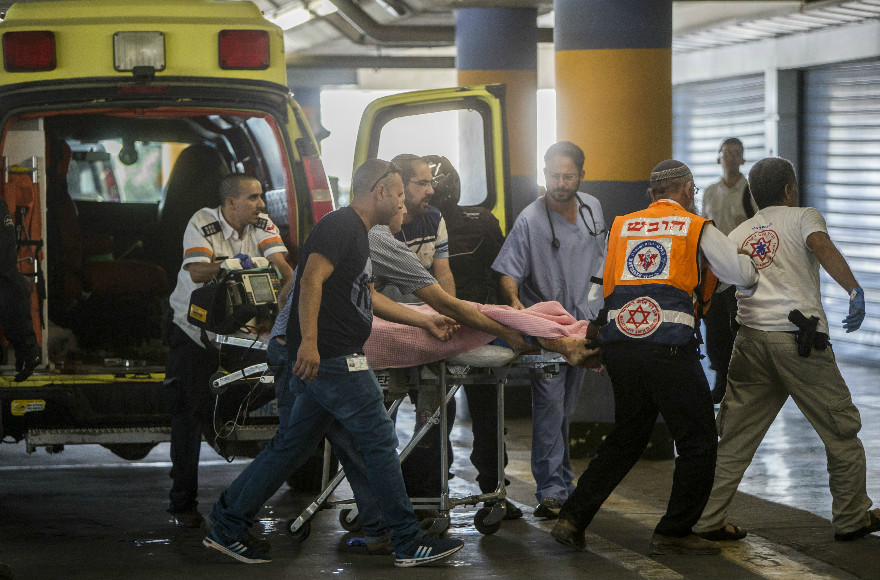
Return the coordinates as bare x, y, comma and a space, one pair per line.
355, 400
344, 446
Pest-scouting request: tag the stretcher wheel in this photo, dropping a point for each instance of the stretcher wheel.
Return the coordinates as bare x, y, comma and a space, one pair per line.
349, 526
302, 533
482, 526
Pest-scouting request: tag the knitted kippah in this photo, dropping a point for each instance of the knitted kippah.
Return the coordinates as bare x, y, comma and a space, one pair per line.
669, 169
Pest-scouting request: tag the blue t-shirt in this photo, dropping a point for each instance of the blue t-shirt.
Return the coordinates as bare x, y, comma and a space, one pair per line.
346, 313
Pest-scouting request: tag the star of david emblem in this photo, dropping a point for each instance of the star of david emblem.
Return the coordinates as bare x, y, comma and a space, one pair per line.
760, 248
638, 311
647, 259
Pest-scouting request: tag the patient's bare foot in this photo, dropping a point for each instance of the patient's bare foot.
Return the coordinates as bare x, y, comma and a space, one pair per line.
575, 350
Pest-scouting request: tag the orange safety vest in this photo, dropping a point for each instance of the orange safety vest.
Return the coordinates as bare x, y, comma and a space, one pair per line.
655, 287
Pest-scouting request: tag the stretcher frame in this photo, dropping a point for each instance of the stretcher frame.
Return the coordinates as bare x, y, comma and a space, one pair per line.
487, 520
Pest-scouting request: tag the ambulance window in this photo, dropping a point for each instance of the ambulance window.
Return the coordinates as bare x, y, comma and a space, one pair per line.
457, 135
266, 141
116, 170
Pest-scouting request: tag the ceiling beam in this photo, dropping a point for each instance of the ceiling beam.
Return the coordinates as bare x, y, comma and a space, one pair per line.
303, 61
395, 34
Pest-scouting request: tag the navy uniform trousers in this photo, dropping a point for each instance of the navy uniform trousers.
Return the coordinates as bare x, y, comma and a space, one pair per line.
649, 379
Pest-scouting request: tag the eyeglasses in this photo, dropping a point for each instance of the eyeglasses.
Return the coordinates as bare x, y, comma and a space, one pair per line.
569, 177
425, 182
392, 168
696, 190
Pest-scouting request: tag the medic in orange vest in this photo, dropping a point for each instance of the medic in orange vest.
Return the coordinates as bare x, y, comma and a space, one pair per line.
657, 283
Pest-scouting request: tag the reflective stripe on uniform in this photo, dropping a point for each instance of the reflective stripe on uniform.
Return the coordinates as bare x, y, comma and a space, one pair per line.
665, 316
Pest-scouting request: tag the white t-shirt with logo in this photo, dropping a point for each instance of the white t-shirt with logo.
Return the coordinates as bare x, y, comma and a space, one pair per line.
776, 239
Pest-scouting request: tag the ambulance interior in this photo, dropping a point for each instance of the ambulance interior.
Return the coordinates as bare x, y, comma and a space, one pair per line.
119, 189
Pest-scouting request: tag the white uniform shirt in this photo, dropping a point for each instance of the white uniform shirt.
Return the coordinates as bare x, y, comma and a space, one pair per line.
776, 238
209, 238
724, 205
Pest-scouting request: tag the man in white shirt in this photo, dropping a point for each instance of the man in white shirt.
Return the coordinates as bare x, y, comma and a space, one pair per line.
237, 227
727, 203
778, 354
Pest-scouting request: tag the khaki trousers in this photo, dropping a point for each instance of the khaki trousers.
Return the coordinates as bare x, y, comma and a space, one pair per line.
765, 370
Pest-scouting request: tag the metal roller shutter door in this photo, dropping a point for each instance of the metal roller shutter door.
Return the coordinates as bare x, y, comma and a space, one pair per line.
706, 113
841, 178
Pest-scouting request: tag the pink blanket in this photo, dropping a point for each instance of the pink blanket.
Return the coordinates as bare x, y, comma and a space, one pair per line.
393, 345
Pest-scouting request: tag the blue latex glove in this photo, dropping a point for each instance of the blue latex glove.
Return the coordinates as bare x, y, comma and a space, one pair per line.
247, 263
856, 310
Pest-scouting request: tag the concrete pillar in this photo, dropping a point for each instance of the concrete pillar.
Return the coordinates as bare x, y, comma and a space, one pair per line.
614, 93
614, 100
500, 45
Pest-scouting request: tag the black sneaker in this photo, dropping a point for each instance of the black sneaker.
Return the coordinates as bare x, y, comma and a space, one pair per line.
873, 526
548, 508
426, 549
238, 550
261, 544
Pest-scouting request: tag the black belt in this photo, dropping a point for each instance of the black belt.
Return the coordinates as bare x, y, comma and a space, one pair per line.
657, 349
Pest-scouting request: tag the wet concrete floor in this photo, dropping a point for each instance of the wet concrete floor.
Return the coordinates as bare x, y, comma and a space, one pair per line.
86, 514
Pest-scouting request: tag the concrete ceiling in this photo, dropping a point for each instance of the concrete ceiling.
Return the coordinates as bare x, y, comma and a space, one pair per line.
419, 33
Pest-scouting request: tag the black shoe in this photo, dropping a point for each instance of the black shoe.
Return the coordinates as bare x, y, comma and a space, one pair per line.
548, 508
568, 534
873, 526
511, 512
189, 518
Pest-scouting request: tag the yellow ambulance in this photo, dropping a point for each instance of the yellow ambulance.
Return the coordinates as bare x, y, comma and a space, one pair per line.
117, 121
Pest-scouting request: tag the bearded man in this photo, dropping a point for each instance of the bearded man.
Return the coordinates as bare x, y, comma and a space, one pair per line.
555, 245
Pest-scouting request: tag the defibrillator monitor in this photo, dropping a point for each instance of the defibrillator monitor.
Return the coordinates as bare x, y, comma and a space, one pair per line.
258, 289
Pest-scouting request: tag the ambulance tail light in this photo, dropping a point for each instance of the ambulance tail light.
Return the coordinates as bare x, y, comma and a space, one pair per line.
244, 49
319, 188
29, 51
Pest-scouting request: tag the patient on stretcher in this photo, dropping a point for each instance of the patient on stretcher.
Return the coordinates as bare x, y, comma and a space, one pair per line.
397, 346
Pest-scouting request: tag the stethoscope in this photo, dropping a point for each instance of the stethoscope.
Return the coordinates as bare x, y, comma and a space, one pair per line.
581, 205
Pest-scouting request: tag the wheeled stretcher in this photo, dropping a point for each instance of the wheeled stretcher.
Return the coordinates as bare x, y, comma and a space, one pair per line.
453, 373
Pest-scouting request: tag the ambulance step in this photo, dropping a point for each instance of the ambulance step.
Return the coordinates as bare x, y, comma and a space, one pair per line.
45, 437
